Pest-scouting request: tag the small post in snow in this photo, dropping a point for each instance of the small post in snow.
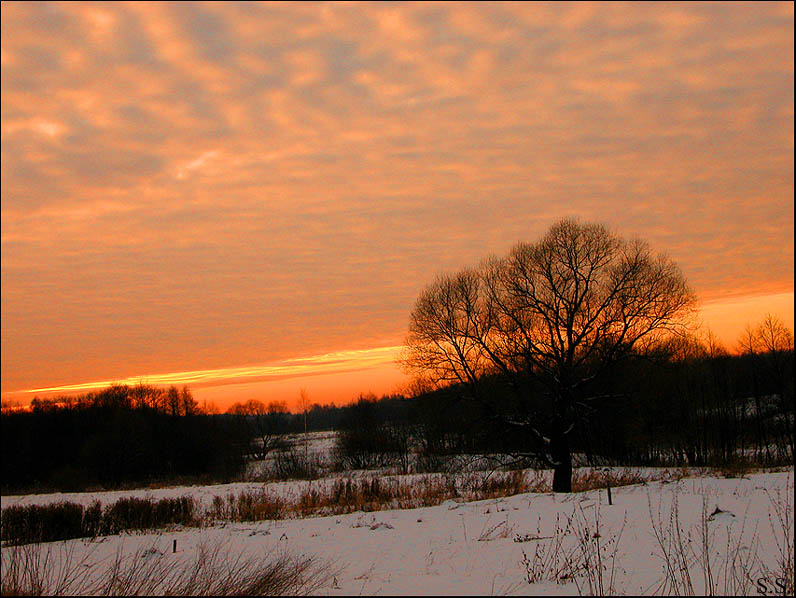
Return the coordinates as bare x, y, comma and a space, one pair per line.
174, 547
608, 484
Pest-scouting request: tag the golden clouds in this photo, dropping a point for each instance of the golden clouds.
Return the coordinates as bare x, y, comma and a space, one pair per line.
318, 365
189, 186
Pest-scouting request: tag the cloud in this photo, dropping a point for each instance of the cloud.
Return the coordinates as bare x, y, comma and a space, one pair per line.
193, 186
196, 164
329, 363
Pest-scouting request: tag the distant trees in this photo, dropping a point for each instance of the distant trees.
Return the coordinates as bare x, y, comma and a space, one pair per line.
267, 423
370, 436
117, 436
769, 347
556, 313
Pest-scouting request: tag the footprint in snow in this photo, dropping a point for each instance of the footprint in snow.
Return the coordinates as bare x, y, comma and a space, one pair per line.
719, 514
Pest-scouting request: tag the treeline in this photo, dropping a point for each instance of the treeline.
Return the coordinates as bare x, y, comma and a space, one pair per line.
700, 407
120, 436
692, 403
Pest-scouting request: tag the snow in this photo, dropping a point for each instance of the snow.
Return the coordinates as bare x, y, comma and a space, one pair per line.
479, 547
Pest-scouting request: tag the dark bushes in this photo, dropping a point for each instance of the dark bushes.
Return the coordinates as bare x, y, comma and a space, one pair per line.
292, 463
36, 523
143, 513
369, 438
65, 520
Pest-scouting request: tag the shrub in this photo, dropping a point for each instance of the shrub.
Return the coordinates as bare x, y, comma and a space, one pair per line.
92, 520
248, 506
295, 464
41, 523
66, 520
128, 513
180, 511
146, 513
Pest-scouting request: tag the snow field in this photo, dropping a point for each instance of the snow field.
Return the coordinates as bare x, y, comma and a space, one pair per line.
494, 546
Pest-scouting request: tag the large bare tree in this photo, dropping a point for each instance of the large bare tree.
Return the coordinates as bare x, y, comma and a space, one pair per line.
560, 311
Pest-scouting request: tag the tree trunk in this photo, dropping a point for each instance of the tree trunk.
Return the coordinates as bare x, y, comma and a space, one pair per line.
559, 450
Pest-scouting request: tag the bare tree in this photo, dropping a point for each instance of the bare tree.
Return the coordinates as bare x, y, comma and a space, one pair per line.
772, 341
561, 312
304, 403
267, 423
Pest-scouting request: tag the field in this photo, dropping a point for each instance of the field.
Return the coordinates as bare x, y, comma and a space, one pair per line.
676, 532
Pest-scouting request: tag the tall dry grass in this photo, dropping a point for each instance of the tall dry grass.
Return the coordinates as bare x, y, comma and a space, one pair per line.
214, 570
712, 558
371, 493
576, 552
60, 521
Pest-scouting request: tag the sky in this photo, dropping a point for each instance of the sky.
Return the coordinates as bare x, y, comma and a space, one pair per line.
247, 198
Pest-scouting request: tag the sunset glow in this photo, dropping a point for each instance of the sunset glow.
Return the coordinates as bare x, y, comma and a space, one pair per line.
247, 198
264, 377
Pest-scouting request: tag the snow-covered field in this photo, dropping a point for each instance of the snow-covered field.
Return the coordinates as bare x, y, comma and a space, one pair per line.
732, 532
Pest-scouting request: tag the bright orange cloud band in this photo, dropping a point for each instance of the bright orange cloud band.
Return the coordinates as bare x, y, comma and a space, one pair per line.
339, 361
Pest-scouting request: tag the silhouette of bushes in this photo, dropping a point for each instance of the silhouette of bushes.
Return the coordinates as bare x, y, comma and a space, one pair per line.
66, 520
294, 464
368, 440
37, 523
145, 513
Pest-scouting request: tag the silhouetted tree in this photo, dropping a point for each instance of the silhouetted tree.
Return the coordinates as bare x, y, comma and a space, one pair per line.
559, 312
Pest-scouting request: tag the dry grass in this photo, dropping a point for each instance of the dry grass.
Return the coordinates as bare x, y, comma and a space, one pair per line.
737, 468
549, 561
68, 520
584, 480
369, 494
249, 505
576, 552
695, 561
33, 570
705, 558
781, 520
36, 570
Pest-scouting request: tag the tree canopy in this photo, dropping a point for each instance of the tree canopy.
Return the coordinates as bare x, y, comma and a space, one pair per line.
559, 311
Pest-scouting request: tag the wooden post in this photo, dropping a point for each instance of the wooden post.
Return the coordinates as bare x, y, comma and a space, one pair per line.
174, 546
608, 485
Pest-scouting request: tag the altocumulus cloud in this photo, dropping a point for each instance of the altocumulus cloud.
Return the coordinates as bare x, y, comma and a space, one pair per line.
194, 186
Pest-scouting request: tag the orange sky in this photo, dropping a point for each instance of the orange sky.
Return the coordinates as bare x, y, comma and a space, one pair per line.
224, 189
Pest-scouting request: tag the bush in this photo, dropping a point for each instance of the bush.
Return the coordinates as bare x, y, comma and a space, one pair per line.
366, 441
248, 506
128, 513
66, 520
295, 464
92, 520
41, 523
